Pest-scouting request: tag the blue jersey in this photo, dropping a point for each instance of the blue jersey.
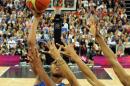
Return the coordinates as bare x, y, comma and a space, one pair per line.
61, 84
42, 84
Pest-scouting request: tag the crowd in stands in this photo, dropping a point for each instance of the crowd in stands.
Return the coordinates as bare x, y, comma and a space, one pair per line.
110, 15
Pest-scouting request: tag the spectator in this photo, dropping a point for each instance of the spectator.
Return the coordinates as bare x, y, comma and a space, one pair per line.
120, 48
111, 16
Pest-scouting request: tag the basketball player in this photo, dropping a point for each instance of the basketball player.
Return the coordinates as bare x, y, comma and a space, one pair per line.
70, 52
33, 54
59, 69
55, 74
112, 58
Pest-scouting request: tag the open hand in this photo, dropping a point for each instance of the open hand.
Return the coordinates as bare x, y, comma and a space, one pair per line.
53, 51
33, 55
68, 50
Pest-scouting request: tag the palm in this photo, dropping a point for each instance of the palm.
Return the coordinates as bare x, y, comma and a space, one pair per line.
69, 50
53, 51
33, 56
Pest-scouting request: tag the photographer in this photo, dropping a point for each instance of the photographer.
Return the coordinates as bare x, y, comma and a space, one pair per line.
90, 51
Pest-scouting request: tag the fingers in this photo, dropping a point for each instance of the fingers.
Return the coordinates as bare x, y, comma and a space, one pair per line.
63, 41
47, 46
60, 46
32, 54
46, 52
37, 15
68, 42
50, 44
61, 52
36, 50
29, 56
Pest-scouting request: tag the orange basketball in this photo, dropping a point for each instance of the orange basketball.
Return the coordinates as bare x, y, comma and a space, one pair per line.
38, 5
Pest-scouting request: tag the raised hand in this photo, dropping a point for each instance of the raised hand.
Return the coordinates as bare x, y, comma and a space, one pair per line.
53, 51
33, 56
37, 15
68, 50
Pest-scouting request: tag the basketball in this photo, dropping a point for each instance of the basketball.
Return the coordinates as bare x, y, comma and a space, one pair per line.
38, 5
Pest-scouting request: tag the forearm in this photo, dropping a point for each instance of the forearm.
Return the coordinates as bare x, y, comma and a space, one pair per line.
108, 53
43, 76
36, 63
32, 32
32, 40
87, 72
67, 72
38, 68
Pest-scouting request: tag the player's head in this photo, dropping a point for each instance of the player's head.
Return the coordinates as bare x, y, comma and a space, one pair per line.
56, 71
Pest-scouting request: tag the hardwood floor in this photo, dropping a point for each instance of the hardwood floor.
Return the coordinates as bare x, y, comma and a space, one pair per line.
114, 81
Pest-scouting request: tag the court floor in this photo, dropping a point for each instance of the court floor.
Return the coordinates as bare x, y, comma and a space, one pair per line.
23, 76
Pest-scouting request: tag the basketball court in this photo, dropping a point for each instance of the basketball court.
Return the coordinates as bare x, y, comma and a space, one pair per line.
19, 76
14, 74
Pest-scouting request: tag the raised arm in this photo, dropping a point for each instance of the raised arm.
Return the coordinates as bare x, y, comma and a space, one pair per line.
55, 54
112, 58
32, 32
70, 52
34, 56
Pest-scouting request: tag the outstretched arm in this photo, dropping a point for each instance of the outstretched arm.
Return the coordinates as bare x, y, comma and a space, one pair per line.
70, 52
35, 60
112, 58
